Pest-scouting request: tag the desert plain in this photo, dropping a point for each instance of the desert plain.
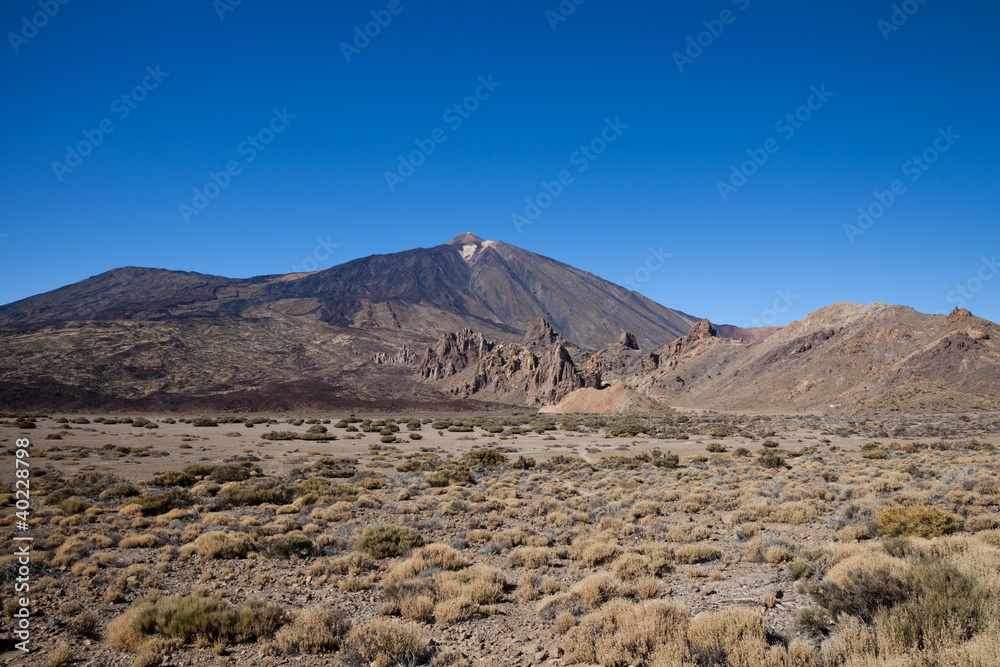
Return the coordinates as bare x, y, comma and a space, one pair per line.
689, 539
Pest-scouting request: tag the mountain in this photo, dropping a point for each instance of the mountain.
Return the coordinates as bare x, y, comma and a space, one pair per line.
490, 285
348, 335
843, 358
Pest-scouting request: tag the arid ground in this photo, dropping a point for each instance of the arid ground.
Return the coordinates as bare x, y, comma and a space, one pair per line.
696, 539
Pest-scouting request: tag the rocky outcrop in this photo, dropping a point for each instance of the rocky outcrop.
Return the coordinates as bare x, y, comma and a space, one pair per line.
404, 357
453, 353
540, 369
622, 359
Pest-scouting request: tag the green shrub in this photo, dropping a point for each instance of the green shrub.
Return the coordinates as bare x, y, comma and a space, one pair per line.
142, 422
73, 505
335, 468
385, 541
864, 594
667, 460
416, 436
370, 483
915, 521
483, 458
204, 421
230, 472
447, 475
770, 444
173, 478
771, 460
945, 608
523, 463
284, 546
119, 490
715, 447
798, 570
160, 503
187, 617
257, 491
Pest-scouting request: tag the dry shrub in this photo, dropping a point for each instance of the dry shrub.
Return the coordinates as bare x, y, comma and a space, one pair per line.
352, 564
454, 610
219, 544
687, 533
85, 624
595, 590
798, 512
531, 558
599, 553
738, 631
646, 588
631, 566
60, 655
916, 521
418, 608
384, 643
564, 623
73, 550
144, 541
527, 587
868, 560
314, 630
643, 509
777, 554
690, 554
557, 605
624, 633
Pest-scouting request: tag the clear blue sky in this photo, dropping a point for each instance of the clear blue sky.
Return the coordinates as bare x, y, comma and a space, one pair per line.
656, 185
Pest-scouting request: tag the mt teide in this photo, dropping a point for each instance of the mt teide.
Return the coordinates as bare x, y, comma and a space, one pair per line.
348, 335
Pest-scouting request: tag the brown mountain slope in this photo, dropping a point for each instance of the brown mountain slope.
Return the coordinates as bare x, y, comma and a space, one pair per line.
844, 357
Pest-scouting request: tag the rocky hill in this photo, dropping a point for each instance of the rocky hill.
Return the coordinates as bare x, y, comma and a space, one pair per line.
843, 358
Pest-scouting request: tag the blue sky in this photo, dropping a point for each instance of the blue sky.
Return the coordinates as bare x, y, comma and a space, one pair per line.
301, 133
